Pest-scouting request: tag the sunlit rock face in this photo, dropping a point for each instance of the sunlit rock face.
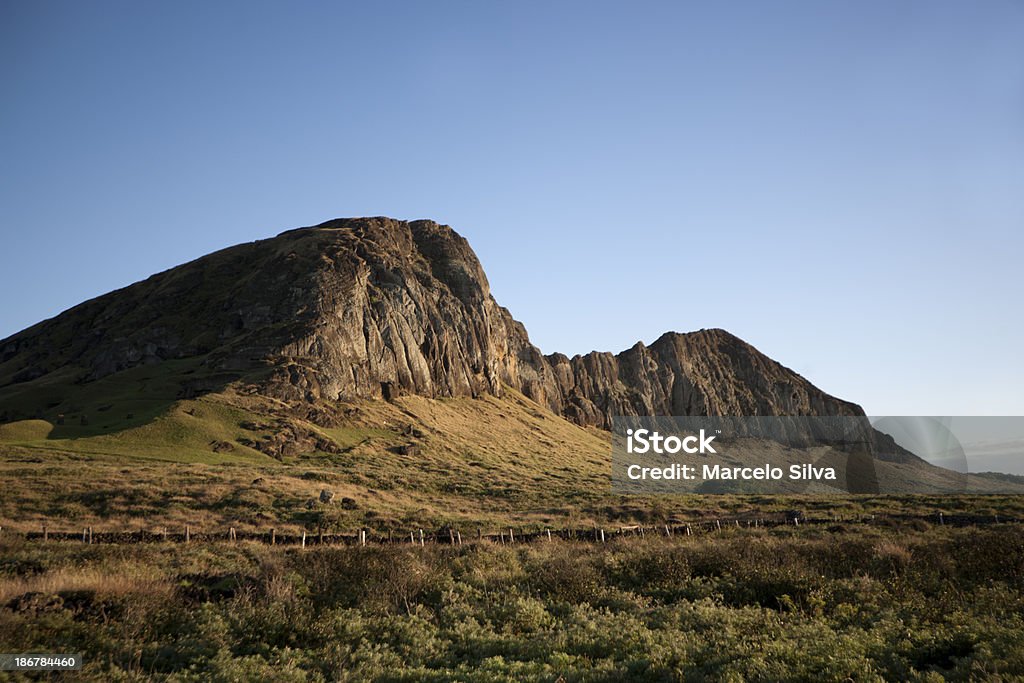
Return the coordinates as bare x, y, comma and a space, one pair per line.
371, 308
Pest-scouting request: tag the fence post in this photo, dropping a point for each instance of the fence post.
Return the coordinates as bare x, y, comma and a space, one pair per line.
188, 533
303, 539
421, 538
273, 536
511, 538
689, 532
941, 520
46, 533
549, 535
90, 535
232, 535
602, 535
362, 536
458, 534
451, 535
85, 534
412, 537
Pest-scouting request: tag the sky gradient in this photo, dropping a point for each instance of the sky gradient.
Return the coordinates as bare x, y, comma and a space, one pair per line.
841, 184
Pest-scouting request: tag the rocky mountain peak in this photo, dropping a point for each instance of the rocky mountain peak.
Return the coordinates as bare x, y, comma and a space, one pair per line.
369, 308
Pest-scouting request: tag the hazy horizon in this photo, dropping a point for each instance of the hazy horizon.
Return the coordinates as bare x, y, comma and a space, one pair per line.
837, 185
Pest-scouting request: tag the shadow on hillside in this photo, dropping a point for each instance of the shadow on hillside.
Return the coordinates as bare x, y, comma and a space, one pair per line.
110, 405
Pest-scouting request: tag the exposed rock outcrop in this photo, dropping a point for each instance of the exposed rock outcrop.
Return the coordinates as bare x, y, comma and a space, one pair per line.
375, 307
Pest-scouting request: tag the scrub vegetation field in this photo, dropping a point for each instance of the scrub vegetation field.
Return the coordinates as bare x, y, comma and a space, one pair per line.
877, 588
912, 602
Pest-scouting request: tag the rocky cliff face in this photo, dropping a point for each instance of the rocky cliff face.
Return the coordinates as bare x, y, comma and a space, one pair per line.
709, 372
374, 307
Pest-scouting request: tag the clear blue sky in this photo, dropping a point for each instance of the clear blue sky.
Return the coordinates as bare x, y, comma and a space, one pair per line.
839, 183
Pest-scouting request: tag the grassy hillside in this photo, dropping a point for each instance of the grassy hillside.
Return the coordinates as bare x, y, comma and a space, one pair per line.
412, 463
128, 451
198, 461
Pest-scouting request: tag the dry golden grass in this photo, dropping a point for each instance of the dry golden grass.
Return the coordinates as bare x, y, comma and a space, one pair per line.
119, 579
895, 553
483, 463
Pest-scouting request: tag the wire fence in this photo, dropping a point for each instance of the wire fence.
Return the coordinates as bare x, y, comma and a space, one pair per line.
507, 535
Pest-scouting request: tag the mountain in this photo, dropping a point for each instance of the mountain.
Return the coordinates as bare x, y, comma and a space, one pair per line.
364, 355
373, 308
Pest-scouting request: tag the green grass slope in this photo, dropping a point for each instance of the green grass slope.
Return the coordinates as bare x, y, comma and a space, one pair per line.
127, 451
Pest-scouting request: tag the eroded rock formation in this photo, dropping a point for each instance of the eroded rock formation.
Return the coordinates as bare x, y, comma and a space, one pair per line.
376, 307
